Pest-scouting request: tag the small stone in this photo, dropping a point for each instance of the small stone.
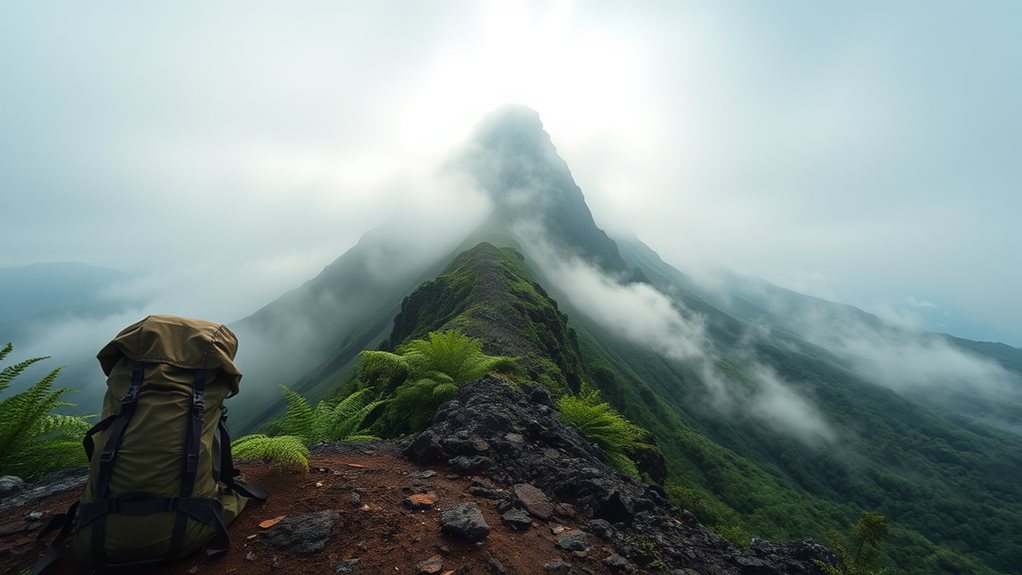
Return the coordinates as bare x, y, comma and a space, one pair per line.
557, 566
464, 521
535, 501
495, 567
558, 529
423, 474
466, 465
431, 566
615, 562
356, 499
519, 519
420, 501
10, 484
573, 540
346, 566
194, 569
480, 491
362, 546
602, 529
34, 516
319, 484
250, 556
514, 438
565, 510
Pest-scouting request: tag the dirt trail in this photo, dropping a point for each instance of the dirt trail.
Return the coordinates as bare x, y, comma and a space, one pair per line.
375, 527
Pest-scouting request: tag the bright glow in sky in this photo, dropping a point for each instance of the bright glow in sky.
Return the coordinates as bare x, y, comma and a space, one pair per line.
863, 152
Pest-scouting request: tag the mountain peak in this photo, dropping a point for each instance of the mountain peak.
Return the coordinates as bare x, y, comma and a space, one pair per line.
514, 161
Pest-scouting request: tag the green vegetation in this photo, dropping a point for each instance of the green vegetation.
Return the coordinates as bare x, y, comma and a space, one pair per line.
302, 426
33, 439
280, 451
430, 372
946, 483
615, 435
856, 554
328, 421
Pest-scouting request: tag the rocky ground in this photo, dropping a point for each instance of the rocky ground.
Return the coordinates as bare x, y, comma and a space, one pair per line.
497, 485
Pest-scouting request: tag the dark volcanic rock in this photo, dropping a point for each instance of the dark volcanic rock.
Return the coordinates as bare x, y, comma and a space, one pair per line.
573, 540
55, 482
304, 534
534, 500
464, 521
528, 444
518, 519
468, 465
602, 529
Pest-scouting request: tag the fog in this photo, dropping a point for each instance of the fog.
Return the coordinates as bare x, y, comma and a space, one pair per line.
225, 154
645, 316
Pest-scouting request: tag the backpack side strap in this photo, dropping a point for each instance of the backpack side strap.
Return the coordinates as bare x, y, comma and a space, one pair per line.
63, 521
228, 473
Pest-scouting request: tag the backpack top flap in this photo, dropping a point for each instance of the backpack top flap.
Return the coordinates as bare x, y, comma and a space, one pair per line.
177, 341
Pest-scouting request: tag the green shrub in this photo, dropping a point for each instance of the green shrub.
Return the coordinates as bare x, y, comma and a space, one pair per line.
433, 370
857, 553
33, 439
615, 435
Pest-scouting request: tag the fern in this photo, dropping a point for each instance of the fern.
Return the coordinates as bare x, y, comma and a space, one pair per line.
327, 421
33, 440
283, 451
615, 435
434, 369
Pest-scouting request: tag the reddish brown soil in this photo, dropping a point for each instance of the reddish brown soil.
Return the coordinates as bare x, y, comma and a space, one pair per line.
381, 533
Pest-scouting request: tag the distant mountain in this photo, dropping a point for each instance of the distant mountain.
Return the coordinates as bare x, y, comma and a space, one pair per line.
778, 413
53, 287
42, 292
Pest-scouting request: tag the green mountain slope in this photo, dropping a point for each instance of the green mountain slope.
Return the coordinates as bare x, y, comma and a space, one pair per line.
942, 470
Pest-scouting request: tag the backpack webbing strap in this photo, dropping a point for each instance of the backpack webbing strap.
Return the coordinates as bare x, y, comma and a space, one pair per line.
109, 453
228, 473
65, 522
193, 441
205, 510
88, 443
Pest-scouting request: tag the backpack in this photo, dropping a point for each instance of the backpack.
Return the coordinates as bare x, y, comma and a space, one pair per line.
161, 482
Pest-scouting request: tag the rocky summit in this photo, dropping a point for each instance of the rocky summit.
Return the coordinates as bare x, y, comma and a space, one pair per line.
544, 462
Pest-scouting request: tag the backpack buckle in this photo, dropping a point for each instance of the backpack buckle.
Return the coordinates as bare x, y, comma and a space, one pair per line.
192, 462
198, 402
106, 456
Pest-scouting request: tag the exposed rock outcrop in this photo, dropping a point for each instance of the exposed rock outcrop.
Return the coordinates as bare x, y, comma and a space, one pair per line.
545, 462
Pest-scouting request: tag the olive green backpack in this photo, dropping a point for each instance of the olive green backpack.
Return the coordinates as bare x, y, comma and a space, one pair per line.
161, 479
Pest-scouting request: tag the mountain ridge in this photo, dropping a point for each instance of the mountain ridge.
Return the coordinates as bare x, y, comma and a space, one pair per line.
907, 457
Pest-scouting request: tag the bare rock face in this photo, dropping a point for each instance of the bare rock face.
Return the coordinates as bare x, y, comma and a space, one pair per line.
550, 465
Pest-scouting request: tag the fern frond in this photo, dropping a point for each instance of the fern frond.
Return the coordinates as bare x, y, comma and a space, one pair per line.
286, 451
299, 419
6, 350
8, 373
606, 427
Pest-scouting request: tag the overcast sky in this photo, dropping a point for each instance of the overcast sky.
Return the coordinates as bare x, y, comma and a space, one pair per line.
864, 152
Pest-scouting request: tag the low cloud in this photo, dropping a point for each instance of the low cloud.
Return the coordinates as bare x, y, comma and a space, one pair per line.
647, 317
904, 359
